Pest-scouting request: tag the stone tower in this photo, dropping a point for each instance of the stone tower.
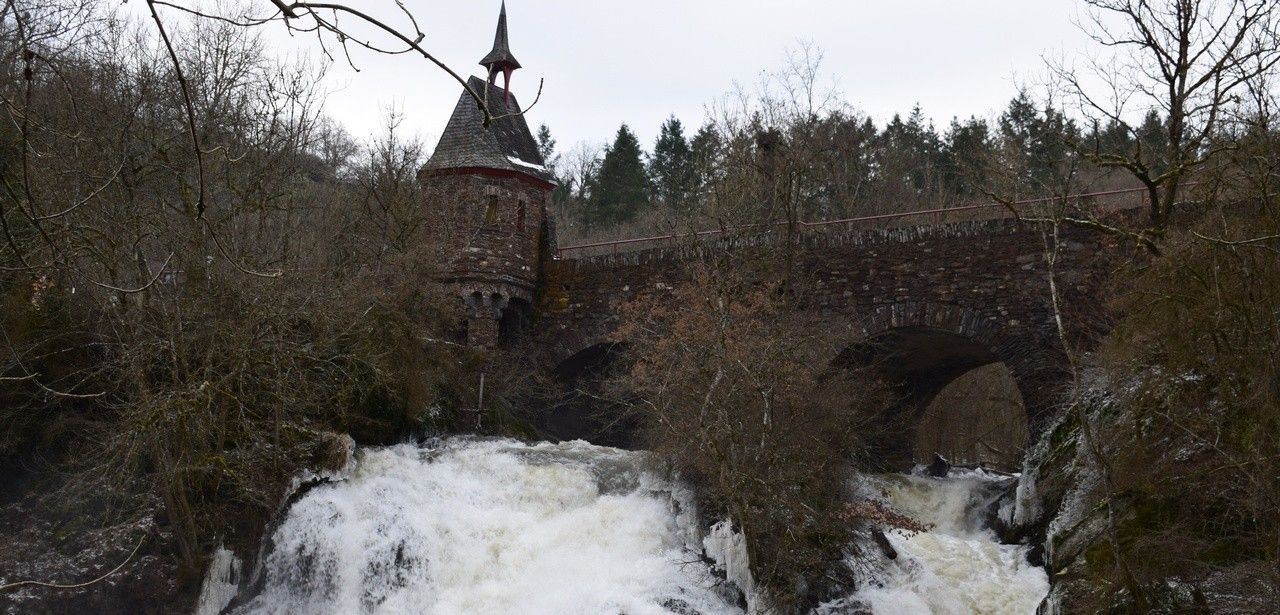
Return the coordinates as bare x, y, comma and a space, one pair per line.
494, 182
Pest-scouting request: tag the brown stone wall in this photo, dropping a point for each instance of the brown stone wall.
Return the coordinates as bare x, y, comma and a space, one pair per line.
498, 224
496, 229
987, 280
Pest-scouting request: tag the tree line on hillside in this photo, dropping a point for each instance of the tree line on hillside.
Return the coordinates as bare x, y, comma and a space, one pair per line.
835, 164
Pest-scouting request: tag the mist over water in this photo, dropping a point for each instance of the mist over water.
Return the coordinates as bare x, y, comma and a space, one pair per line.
463, 525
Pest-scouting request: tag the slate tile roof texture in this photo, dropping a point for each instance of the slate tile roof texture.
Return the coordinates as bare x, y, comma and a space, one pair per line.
507, 144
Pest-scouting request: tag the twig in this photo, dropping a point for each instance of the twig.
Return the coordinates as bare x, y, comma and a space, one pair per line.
244, 22
34, 377
129, 291
234, 263
1243, 242
96, 192
11, 586
191, 111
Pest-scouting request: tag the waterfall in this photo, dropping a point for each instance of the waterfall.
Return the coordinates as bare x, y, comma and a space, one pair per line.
958, 567
489, 526
465, 525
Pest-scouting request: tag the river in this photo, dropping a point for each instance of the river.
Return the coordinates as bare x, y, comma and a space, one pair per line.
483, 526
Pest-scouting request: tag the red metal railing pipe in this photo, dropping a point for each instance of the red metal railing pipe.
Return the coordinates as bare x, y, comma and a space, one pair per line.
937, 212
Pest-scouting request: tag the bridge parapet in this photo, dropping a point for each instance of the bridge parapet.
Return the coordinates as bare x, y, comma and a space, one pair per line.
693, 249
898, 226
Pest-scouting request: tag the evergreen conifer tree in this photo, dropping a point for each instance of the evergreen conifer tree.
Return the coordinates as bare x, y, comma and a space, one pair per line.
968, 152
622, 187
671, 167
547, 147
705, 159
1154, 139
1036, 142
911, 150
1148, 142
1112, 138
705, 149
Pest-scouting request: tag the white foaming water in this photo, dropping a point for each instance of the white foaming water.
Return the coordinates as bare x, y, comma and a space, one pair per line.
728, 549
464, 526
958, 567
467, 526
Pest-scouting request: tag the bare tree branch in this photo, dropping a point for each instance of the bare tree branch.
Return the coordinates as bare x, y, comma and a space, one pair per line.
191, 112
121, 565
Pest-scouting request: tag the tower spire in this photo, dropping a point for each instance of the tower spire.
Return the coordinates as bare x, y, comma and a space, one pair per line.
501, 60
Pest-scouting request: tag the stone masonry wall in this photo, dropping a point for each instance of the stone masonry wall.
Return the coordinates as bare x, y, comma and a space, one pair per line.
987, 280
496, 231
495, 238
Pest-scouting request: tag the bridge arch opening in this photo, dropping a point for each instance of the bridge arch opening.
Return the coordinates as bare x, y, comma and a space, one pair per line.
958, 398
580, 406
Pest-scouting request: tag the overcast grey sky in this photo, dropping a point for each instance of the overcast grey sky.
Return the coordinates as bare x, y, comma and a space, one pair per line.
606, 62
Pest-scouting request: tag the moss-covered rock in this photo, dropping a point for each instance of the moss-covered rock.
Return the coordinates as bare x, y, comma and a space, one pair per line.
1067, 503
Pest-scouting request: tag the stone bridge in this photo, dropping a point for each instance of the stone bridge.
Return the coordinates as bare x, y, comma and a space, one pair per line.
927, 303
930, 305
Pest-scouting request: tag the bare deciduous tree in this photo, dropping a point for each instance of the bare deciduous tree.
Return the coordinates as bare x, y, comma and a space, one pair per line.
132, 335
1188, 60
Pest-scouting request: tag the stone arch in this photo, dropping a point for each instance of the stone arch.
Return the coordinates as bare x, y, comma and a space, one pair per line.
592, 360
923, 348
514, 319
956, 318
1032, 350
578, 407
495, 312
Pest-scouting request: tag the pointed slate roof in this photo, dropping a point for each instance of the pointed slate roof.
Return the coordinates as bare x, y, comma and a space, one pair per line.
501, 55
507, 145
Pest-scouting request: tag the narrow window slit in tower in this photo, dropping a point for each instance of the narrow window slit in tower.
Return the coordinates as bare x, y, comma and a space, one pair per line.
491, 213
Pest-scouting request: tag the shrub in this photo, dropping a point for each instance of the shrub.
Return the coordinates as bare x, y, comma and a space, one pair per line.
1197, 452
740, 399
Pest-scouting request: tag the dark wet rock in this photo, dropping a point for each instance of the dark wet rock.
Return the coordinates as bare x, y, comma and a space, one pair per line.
939, 467
1060, 513
1035, 555
882, 541
679, 607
